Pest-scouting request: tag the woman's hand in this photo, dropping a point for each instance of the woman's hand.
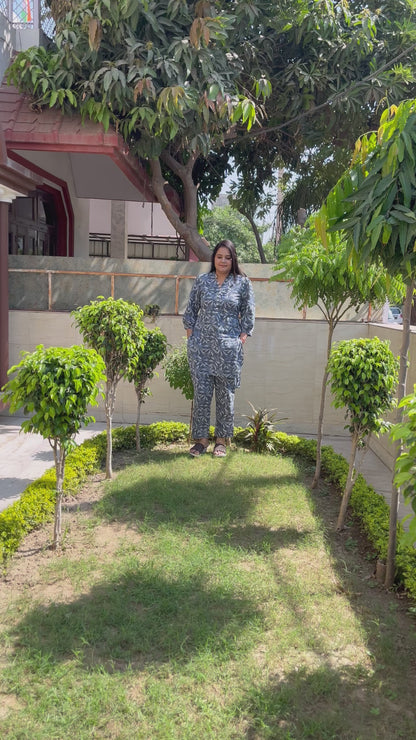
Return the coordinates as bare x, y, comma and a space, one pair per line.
188, 333
243, 338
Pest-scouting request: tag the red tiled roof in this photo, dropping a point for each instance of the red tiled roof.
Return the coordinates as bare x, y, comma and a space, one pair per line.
48, 129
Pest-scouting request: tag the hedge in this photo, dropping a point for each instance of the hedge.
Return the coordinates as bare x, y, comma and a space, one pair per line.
36, 505
367, 505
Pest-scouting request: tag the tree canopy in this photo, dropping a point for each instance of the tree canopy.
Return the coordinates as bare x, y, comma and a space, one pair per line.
322, 275
192, 86
374, 202
225, 222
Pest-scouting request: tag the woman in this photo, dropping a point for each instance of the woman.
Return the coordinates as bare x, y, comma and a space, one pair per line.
218, 319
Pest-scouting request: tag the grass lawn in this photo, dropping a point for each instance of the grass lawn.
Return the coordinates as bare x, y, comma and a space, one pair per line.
203, 598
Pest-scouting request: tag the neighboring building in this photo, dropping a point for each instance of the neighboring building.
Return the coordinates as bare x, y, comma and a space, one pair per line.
67, 189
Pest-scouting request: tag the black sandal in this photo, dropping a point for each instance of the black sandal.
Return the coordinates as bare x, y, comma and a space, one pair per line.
198, 449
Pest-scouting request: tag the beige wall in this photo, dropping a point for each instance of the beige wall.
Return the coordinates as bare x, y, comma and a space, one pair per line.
165, 282
284, 360
283, 368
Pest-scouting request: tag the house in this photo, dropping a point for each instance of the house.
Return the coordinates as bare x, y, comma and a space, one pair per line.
78, 219
67, 189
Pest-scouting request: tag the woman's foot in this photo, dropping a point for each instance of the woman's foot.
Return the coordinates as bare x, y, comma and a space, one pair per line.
220, 449
199, 448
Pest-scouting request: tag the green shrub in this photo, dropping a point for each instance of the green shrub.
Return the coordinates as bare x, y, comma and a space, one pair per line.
37, 503
35, 506
367, 505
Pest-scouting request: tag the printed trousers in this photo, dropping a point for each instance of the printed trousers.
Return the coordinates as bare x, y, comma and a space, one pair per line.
204, 386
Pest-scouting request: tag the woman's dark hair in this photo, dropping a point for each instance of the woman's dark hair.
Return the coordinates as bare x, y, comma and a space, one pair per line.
235, 267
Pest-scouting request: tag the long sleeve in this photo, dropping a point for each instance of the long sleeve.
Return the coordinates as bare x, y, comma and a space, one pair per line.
194, 304
247, 308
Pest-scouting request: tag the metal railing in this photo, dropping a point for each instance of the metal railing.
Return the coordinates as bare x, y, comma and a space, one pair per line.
141, 247
156, 247
62, 290
99, 245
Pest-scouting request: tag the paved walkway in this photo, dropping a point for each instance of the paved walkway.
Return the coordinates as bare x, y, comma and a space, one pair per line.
24, 457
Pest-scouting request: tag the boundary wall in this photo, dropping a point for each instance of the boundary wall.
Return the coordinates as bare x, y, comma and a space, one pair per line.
284, 359
283, 368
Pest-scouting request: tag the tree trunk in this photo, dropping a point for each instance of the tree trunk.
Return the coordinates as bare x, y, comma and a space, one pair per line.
401, 392
188, 228
110, 397
256, 233
59, 457
139, 405
349, 483
331, 328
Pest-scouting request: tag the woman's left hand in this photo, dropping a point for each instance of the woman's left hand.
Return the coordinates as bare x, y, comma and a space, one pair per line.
243, 338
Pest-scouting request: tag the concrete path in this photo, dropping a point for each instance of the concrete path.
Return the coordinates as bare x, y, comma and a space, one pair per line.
24, 457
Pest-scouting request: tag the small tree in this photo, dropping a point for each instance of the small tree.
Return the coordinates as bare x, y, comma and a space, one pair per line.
55, 386
405, 465
114, 328
364, 375
178, 374
323, 276
151, 354
375, 202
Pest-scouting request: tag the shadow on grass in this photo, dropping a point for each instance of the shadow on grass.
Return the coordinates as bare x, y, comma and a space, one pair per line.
194, 491
259, 539
324, 702
141, 617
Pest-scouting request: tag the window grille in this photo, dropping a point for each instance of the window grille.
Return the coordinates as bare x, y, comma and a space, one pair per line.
99, 245
28, 14
156, 248
141, 247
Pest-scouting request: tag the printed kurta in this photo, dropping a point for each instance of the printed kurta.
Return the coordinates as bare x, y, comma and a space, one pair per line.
217, 316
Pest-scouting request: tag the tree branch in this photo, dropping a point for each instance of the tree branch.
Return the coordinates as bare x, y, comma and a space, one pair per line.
329, 101
187, 231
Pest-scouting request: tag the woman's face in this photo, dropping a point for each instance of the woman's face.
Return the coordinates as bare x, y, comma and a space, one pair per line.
223, 261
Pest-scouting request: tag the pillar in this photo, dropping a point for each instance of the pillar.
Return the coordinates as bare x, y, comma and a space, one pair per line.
119, 231
4, 291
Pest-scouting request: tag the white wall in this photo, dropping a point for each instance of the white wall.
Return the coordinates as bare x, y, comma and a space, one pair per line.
149, 219
100, 216
142, 219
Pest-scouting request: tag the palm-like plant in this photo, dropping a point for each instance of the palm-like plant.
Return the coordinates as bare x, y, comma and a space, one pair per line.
260, 430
